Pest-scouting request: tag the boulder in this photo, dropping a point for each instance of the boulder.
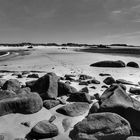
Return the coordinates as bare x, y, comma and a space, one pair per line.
74, 109
135, 91
101, 126
79, 97
116, 100
116, 64
52, 118
132, 64
43, 129
70, 77
109, 80
133, 138
47, 86
11, 85
33, 76
27, 124
11, 102
65, 89
94, 108
48, 104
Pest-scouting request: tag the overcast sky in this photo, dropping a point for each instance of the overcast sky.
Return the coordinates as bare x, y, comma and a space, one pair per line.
81, 21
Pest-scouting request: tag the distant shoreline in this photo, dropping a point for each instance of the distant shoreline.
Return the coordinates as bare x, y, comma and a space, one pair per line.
114, 51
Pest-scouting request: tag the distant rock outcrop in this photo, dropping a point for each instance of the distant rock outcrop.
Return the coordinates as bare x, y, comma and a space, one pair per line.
74, 109
116, 64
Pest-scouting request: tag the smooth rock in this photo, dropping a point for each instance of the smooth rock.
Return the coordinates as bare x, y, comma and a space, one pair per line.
11, 85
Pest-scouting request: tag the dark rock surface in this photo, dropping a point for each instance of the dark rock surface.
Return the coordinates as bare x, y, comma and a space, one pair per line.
79, 97
74, 109
20, 103
116, 64
101, 126
11, 85
109, 80
47, 86
135, 91
133, 64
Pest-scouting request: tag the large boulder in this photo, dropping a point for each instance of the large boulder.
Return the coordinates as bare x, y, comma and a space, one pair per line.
84, 77
11, 85
43, 129
116, 100
74, 109
116, 64
132, 64
48, 104
101, 126
46, 86
11, 102
65, 89
79, 97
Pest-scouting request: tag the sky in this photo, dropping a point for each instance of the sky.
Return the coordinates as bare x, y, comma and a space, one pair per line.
77, 21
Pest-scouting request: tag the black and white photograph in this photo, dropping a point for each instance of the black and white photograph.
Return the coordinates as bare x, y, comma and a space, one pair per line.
69, 69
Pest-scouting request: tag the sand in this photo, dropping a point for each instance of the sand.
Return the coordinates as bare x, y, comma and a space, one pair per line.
60, 61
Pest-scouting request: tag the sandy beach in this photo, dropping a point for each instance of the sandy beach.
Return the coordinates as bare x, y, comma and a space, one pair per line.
61, 62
